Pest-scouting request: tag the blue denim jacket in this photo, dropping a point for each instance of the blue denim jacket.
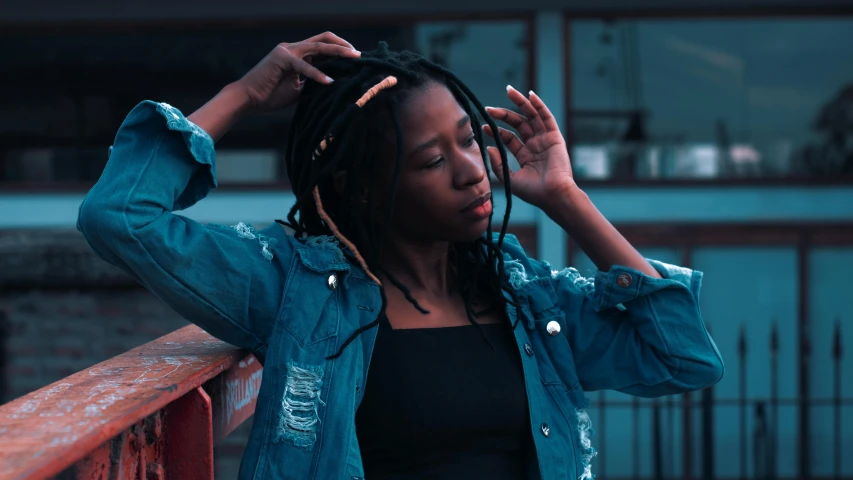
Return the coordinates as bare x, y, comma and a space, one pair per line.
293, 301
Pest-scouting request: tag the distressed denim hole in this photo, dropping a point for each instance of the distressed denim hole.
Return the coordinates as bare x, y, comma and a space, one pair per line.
300, 404
587, 451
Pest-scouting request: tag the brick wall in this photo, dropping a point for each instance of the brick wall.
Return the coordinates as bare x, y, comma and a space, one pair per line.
54, 333
62, 310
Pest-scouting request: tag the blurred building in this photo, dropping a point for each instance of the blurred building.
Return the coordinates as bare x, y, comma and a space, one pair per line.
714, 134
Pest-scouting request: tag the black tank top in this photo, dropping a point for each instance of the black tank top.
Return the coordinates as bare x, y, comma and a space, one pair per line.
441, 404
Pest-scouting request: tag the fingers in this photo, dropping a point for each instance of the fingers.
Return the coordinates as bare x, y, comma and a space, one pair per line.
497, 163
544, 113
301, 67
314, 49
513, 119
527, 109
329, 37
295, 57
509, 139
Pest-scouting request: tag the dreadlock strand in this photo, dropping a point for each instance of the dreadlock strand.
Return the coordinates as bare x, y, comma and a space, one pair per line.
406, 292
389, 81
341, 237
398, 167
381, 316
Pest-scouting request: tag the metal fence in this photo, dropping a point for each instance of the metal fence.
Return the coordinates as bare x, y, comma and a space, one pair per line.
669, 450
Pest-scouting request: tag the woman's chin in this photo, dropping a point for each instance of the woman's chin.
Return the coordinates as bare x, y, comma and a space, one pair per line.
472, 231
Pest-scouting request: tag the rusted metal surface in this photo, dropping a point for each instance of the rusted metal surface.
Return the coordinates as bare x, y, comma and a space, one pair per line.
126, 417
189, 423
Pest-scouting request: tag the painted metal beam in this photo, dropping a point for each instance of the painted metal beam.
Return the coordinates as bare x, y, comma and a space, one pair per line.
151, 412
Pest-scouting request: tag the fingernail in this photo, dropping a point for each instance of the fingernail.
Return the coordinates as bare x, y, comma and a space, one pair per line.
509, 87
532, 93
329, 79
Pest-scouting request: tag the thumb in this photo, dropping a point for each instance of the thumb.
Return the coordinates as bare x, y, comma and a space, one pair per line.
297, 82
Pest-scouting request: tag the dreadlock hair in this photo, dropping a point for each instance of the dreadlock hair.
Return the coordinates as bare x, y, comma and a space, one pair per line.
344, 127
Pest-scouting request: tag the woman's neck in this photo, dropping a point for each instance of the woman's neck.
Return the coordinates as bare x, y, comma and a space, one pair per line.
422, 267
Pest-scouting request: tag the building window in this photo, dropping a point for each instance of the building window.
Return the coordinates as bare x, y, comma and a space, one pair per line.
66, 93
711, 98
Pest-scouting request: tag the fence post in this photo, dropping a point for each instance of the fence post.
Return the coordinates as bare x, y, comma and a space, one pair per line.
760, 437
837, 354
741, 350
773, 427
708, 433
657, 444
635, 409
708, 429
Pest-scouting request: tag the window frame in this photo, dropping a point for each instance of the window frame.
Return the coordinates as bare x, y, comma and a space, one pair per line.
721, 13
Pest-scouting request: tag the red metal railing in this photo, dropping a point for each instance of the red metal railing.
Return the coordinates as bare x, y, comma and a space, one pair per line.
153, 412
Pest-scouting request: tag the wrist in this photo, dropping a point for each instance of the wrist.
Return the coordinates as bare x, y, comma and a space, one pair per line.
218, 115
237, 98
568, 207
565, 197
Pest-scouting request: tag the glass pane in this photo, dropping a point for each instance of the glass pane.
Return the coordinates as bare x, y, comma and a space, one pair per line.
711, 98
487, 56
247, 166
96, 77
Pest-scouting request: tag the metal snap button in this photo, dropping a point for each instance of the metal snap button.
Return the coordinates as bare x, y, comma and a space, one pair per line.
528, 349
553, 328
333, 281
624, 280
546, 430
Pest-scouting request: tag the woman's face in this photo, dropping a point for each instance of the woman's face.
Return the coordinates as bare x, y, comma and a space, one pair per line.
444, 192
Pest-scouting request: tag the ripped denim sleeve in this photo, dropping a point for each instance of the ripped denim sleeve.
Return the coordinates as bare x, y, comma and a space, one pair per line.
248, 232
300, 404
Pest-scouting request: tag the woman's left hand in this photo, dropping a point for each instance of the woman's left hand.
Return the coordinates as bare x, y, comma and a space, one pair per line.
539, 147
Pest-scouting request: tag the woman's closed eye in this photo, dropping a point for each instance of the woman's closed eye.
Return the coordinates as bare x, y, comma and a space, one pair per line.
471, 141
434, 164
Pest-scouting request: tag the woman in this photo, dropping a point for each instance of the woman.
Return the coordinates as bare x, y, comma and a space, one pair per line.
477, 355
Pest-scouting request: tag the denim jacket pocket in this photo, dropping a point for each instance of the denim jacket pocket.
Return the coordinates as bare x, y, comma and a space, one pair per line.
539, 303
311, 304
558, 366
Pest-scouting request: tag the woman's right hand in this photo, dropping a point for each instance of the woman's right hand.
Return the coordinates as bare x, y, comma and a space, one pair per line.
275, 82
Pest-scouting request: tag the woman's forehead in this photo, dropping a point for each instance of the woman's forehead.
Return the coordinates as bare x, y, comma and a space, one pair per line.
430, 108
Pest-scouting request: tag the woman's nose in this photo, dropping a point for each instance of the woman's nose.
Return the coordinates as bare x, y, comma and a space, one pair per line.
470, 170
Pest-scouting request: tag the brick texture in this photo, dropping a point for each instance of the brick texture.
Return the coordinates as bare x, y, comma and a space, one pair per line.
62, 310
54, 333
